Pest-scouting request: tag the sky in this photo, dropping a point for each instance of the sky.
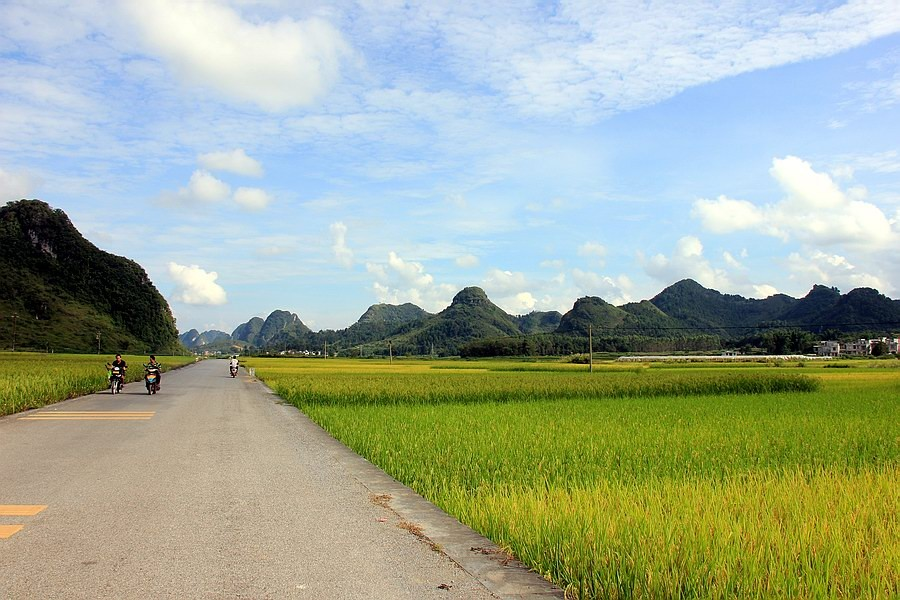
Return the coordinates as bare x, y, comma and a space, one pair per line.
254, 155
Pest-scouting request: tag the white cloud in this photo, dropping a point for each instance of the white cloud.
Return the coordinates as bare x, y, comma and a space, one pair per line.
253, 199
276, 65
832, 269
687, 261
731, 261
400, 281
16, 185
594, 251
613, 290
597, 58
203, 187
764, 291
504, 283
815, 211
725, 215
235, 161
467, 261
342, 254
196, 286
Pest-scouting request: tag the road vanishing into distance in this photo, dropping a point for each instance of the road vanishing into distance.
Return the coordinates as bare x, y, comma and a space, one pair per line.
213, 488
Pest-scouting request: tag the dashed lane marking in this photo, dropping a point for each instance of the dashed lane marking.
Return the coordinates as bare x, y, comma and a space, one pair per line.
21, 510
89, 415
17, 510
7, 531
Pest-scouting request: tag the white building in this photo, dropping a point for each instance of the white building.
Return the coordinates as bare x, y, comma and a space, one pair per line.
828, 348
860, 347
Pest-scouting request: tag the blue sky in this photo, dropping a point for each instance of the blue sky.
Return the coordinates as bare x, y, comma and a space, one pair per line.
255, 155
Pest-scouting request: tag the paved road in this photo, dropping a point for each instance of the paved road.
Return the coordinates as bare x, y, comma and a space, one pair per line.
214, 489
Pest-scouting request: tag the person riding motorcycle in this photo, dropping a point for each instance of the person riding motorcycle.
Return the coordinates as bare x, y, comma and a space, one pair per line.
158, 368
233, 364
118, 364
123, 366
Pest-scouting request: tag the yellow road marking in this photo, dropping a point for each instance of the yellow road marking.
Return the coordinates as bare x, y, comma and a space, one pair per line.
89, 415
17, 510
7, 531
21, 510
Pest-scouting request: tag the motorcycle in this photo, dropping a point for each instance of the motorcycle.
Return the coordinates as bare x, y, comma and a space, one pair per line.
151, 378
116, 380
234, 370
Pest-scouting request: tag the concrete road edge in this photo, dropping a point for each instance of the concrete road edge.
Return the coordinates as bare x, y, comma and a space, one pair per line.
505, 577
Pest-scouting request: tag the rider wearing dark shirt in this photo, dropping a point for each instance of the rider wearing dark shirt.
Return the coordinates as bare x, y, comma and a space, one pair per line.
121, 364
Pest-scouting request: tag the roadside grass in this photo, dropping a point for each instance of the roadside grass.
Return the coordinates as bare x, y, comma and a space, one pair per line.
696, 482
32, 380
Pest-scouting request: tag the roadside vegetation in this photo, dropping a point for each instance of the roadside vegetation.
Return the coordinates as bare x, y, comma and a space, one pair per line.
31, 380
675, 481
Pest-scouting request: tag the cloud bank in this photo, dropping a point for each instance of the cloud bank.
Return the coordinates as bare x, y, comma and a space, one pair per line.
814, 211
195, 286
277, 65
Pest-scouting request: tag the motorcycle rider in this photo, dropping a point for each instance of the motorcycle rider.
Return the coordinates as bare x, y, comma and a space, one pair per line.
158, 367
120, 362
233, 363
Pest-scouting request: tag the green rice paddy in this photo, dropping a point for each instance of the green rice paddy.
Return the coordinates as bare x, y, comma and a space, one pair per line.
636, 482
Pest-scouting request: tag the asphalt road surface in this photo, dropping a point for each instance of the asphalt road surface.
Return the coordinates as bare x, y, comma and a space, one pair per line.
214, 489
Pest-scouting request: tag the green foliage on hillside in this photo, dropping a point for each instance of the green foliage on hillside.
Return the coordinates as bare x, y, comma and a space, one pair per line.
539, 322
391, 314
248, 331
709, 311
65, 291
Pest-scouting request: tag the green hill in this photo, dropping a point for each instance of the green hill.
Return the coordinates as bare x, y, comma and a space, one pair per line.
817, 302
62, 293
539, 322
596, 313
708, 311
470, 316
862, 309
248, 331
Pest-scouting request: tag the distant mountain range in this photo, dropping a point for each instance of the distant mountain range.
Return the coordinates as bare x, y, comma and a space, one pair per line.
59, 292
684, 314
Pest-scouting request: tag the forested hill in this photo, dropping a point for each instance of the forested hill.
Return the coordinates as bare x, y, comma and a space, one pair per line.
60, 293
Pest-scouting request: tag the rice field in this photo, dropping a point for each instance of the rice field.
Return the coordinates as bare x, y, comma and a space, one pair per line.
640, 482
31, 380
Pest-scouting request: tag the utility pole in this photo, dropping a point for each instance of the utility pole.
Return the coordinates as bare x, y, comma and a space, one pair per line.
391, 350
591, 348
98, 342
14, 316
326, 349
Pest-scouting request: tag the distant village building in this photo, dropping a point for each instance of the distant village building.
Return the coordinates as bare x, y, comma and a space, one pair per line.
828, 348
861, 347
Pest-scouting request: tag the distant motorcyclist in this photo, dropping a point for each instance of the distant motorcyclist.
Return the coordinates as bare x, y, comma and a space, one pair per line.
155, 365
233, 365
